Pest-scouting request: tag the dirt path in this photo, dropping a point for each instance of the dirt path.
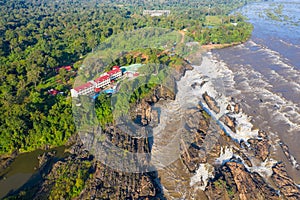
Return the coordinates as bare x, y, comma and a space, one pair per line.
182, 36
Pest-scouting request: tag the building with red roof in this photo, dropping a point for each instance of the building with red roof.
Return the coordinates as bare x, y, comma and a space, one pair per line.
91, 87
97, 90
115, 73
85, 89
102, 81
67, 68
53, 92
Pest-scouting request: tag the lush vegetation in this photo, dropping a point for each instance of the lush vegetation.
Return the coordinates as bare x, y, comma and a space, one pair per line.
222, 30
103, 109
68, 185
38, 36
221, 184
156, 70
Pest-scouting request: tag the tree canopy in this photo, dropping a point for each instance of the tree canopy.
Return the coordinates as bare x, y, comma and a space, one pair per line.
38, 36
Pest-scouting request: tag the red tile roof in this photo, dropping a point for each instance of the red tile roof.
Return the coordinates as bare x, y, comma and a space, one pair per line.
97, 90
114, 71
101, 79
84, 86
104, 77
115, 67
67, 68
53, 92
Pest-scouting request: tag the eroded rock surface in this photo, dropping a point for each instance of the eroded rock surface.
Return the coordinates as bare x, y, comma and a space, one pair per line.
261, 146
284, 182
210, 101
235, 182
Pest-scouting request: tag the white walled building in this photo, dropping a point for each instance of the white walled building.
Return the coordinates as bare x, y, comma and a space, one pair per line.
85, 89
103, 81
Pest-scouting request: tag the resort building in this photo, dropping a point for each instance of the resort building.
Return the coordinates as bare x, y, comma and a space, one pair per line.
115, 73
85, 89
156, 13
102, 81
96, 85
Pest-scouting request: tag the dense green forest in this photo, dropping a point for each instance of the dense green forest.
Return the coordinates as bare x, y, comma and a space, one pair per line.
37, 36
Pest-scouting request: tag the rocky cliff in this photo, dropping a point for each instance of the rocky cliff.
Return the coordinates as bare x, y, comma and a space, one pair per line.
234, 181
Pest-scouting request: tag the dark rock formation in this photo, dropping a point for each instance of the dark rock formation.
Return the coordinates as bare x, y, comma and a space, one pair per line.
261, 146
163, 92
143, 113
233, 181
285, 184
98, 180
228, 107
106, 183
243, 156
228, 121
196, 84
181, 69
212, 104
5, 161
236, 108
204, 142
45, 157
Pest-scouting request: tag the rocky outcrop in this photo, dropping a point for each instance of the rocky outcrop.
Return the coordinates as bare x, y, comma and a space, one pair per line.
235, 182
143, 113
45, 157
204, 142
285, 184
243, 156
196, 84
181, 69
261, 146
163, 92
106, 183
236, 108
5, 161
210, 101
96, 180
228, 121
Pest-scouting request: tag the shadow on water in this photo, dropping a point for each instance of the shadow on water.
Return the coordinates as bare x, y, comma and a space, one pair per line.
23, 173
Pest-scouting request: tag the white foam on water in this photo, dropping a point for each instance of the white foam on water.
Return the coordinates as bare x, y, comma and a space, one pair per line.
263, 168
226, 154
203, 174
253, 82
252, 43
218, 77
276, 59
243, 127
294, 162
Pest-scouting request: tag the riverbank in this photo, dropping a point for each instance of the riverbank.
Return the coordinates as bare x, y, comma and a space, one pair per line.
209, 47
26, 168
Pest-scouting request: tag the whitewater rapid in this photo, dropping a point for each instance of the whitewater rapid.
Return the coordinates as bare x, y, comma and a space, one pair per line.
267, 86
215, 78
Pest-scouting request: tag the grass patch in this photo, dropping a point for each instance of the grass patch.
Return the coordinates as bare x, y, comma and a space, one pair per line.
213, 20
